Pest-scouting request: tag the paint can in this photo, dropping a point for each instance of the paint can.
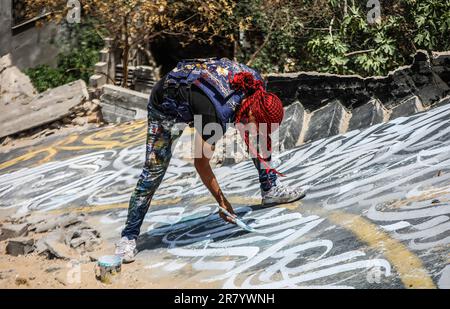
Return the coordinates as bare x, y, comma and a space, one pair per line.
108, 268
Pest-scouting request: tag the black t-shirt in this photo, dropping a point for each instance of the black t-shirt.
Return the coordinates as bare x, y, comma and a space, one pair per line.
200, 105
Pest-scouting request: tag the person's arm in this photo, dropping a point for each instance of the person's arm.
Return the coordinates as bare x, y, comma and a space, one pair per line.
203, 167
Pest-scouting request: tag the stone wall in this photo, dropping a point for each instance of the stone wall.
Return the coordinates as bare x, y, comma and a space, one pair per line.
335, 104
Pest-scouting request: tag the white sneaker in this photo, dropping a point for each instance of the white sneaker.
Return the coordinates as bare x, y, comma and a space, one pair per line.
281, 194
126, 249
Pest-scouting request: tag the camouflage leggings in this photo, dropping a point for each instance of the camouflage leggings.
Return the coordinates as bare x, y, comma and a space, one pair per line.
162, 132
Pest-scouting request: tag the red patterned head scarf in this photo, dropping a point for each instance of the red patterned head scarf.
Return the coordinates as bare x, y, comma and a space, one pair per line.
265, 106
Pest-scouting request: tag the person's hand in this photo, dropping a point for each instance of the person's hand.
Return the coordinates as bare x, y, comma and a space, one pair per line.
227, 206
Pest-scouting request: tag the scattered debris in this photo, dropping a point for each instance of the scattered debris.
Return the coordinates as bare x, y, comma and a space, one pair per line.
66, 237
62, 222
8, 231
17, 219
53, 247
40, 115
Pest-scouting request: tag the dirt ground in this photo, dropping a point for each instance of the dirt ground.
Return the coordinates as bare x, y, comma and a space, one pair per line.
37, 272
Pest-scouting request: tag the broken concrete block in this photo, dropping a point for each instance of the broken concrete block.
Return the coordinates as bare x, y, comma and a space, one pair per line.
20, 246
18, 218
290, 128
15, 87
367, 115
69, 220
144, 79
63, 222
327, 121
84, 237
44, 227
406, 108
97, 81
59, 250
101, 68
76, 231
429, 80
45, 108
104, 55
35, 219
285, 86
13, 231
428, 86
53, 246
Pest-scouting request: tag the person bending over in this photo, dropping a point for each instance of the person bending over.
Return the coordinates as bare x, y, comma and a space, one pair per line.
222, 92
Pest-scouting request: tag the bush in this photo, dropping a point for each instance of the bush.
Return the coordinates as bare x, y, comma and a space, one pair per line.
327, 36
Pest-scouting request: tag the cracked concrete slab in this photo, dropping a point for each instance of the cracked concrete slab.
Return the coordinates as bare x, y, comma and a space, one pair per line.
44, 108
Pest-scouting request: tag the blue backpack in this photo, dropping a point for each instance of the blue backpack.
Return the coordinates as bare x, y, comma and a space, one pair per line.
212, 76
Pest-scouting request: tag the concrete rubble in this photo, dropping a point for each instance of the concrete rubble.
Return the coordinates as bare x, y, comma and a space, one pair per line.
13, 230
20, 246
66, 237
121, 105
45, 108
15, 86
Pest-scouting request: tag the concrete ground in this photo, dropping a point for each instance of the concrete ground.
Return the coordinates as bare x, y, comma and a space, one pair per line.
376, 213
